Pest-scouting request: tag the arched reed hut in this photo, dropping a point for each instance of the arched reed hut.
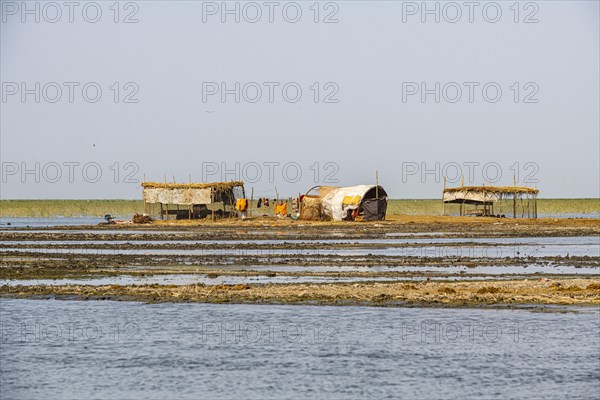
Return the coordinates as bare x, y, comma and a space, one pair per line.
352, 203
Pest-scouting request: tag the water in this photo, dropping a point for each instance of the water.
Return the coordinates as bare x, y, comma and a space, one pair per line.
516, 251
530, 241
445, 247
101, 350
21, 222
190, 279
90, 220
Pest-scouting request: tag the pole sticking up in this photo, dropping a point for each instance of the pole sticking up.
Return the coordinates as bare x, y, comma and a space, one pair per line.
515, 197
145, 204
166, 205
190, 209
443, 202
212, 204
251, 200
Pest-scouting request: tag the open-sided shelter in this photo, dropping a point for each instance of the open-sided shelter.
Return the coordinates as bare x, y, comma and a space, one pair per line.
191, 199
488, 196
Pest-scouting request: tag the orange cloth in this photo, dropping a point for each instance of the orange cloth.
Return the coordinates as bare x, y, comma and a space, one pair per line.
281, 209
241, 204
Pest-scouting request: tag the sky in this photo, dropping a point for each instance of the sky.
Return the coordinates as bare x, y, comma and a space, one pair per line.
99, 96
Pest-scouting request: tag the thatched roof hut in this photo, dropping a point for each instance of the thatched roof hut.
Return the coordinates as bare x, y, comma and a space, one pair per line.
344, 203
191, 194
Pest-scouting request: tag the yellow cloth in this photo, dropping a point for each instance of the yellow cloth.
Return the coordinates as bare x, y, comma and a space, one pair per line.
351, 200
241, 204
281, 209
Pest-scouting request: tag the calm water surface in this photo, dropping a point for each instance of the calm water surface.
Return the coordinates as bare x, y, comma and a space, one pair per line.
98, 350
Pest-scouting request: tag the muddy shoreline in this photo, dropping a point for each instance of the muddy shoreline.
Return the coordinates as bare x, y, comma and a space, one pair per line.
408, 261
565, 292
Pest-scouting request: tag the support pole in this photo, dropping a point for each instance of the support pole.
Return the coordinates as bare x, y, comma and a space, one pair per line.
443, 202
145, 204
515, 197
522, 207
212, 204
251, 200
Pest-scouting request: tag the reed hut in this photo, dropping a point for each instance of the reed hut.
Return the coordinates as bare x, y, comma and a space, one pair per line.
192, 200
480, 200
352, 203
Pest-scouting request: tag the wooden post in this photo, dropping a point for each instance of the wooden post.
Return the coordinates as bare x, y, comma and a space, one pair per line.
515, 197
443, 202
522, 207
145, 204
191, 205
276, 201
166, 205
251, 200
484, 202
176, 215
212, 204
377, 185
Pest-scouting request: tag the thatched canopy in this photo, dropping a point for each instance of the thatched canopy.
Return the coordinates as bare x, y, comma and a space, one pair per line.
493, 189
193, 185
190, 193
486, 194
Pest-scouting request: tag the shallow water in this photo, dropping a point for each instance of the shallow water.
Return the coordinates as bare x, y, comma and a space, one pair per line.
530, 241
17, 222
20, 222
425, 251
189, 279
72, 349
427, 248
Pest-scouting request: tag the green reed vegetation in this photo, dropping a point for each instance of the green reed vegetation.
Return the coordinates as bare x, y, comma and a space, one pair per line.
126, 208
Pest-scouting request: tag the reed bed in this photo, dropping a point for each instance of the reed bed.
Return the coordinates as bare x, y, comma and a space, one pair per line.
126, 208
70, 208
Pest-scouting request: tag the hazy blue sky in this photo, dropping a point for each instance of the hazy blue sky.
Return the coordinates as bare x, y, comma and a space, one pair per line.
370, 68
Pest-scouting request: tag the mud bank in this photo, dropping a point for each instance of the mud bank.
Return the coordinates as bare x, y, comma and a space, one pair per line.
581, 292
270, 228
432, 261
